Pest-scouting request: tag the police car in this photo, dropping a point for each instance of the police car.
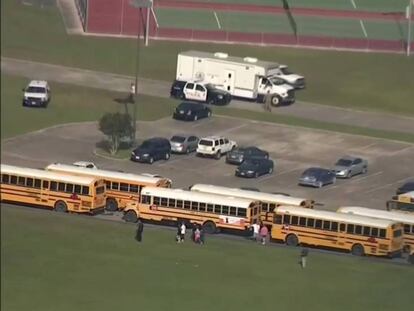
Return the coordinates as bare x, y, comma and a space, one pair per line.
36, 94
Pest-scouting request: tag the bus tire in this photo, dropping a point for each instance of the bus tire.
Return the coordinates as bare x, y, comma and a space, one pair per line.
292, 240
357, 250
209, 227
131, 216
111, 205
61, 207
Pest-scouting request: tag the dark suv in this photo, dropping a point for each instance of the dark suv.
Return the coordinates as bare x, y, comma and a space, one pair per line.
238, 155
151, 150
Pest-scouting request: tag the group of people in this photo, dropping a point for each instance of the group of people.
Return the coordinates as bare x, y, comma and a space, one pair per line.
260, 232
197, 235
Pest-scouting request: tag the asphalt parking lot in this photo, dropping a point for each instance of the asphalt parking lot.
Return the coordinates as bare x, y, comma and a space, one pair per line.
293, 150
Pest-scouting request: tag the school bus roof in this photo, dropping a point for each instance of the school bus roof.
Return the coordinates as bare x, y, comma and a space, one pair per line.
42, 174
369, 212
105, 174
186, 195
333, 216
254, 195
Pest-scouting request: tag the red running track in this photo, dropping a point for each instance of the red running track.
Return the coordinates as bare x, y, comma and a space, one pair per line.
256, 8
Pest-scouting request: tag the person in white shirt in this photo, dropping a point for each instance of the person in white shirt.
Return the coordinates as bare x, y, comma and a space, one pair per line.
132, 93
256, 230
182, 232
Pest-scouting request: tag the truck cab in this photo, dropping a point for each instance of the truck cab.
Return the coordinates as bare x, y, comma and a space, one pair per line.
205, 93
281, 92
297, 81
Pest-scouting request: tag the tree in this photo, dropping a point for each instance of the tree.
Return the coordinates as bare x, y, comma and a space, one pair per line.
116, 126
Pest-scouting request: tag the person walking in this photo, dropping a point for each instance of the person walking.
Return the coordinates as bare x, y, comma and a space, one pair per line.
268, 101
303, 255
263, 234
131, 93
256, 230
140, 230
197, 234
202, 236
183, 228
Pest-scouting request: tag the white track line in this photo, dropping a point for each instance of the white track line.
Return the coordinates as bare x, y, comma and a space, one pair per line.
155, 17
217, 20
363, 28
353, 4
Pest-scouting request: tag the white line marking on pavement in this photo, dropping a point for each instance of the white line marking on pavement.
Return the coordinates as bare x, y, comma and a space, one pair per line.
367, 176
387, 185
234, 128
217, 20
363, 28
288, 171
353, 4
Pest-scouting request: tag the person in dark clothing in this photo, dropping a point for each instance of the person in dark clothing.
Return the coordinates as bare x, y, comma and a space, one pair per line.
303, 255
202, 236
140, 230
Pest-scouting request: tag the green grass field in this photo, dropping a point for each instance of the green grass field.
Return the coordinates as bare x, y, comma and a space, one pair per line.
63, 262
352, 80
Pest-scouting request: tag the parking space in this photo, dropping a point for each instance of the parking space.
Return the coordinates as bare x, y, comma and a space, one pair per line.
293, 150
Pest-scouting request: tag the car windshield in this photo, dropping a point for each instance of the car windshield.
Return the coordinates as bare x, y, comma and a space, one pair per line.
204, 142
276, 81
35, 89
210, 87
178, 139
312, 172
343, 162
285, 71
146, 144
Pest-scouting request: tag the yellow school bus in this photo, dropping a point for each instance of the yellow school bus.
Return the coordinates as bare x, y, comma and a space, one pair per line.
268, 201
402, 203
121, 188
211, 211
359, 235
60, 192
406, 219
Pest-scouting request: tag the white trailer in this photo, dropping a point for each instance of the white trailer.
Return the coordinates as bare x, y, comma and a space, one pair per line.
247, 78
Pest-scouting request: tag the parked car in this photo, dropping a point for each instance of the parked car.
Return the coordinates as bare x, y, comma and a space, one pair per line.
36, 94
198, 91
151, 150
349, 166
240, 154
215, 146
250, 189
317, 177
191, 111
184, 143
177, 89
254, 168
86, 164
406, 187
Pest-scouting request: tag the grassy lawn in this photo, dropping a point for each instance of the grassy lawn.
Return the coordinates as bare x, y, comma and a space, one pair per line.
354, 80
67, 262
80, 104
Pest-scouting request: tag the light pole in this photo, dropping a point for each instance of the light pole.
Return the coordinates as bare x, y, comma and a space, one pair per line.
139, 4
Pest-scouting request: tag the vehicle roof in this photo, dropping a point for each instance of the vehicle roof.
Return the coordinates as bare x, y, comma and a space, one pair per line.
410, 182
187, 195
103, 173
349, 157
249, 194
375, 213
319, 169
409, 194
333, 216
232, 59
190, 104
213, 137
39, 173
155, 139
38, 83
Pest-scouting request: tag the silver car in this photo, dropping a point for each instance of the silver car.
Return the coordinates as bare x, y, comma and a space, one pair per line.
348, 166
184, 143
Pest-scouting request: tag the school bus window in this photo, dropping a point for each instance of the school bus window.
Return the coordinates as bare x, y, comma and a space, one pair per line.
13, 180
374, 232
133, 188
100, 190
334, 226
217, 209
295, 220
145, 199
286, 219
350, 228
69, 188
5, 179
367, 231
407, 229
302, 221
21, 181
358, 230
156, 200
326, 225
225, 210
53, 185
382, 233
179, 203
171, 202
233, 211
342, 227
77, 189
241, 212
278, 219
29, 182
108, 184
164, 202
85, 190
123, 187
272, 206
202, 207
187, 204
311, 222
318, 224
61, 186
115, 186
265, 207
397, 233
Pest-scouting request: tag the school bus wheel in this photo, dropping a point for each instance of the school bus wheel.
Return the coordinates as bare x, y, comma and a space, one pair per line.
209, 227
131, 216
357, 250
61, 207
111, 205
292, 240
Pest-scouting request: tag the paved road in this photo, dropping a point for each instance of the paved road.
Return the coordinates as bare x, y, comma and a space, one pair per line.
121, 83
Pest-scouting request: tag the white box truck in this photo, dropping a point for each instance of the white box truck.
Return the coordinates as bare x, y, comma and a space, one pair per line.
247, 78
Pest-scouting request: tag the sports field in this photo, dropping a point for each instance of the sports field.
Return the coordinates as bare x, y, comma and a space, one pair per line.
63, 262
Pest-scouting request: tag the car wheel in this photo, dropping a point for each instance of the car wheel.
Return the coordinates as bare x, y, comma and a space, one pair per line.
195, 118
256, 174
209, 114
357, 250
319, 184
333, 180
349, 175
61, 207
167, 156
292, 240
275, 101
131, 216
270, 170
364, 170
187, 150
217, 156
151, 160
